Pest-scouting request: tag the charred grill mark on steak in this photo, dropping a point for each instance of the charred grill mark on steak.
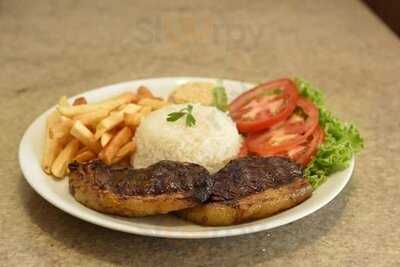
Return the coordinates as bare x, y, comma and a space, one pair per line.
251, 188
249, 175
164, 177
245, 189
239, 178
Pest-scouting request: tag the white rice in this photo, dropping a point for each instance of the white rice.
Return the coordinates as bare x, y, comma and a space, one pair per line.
211, 142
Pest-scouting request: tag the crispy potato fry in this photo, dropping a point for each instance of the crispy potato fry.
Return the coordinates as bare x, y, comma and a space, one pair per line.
131, 108
120, 139
62, 128
144, 92
114, 119
108, 123
79, 101
85, 136
128, 107
51, 147
124, 162
92, 117
54, 140
122, 107
153, 103
103, 130
109, 105
64, 140
135, 98
105, 138
84, 155
64, 102
133, 120
83, 149
60, 164
124, 151
145, 111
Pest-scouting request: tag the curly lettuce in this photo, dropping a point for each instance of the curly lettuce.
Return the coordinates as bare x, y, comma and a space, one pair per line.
342, 140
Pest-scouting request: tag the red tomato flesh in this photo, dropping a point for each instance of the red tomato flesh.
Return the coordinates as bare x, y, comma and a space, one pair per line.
264, 106
286, 134
311, 148
304, 152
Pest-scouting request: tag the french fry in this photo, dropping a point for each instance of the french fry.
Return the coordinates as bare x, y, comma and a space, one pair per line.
83, 149
135, 98
153, 103
108, 123
131, 108
54, 141
109, 105
122, 107
60, 164
51, 147
103, 130
125, 162
144, 92
133, 120
145, 111
124, 151
79, 101
114, 119
64, 102
85, 136
62, 128
84, 155
105, 138
120, 139
92, 117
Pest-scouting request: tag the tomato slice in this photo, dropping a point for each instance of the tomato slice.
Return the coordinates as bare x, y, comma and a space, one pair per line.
304, 152
264, 106
311, 147
294, 131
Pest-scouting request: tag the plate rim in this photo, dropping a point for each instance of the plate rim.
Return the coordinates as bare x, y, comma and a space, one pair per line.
134, 229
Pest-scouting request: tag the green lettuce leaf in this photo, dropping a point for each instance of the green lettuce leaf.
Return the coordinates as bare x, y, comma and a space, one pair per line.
342, 140
220, 97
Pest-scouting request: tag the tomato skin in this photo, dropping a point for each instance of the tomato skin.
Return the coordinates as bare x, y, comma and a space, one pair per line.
258, 142
312, 147
290, 94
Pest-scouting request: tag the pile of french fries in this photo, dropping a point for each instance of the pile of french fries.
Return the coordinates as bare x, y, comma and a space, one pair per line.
105, 130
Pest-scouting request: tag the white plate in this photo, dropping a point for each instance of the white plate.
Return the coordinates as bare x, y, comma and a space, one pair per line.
56, 192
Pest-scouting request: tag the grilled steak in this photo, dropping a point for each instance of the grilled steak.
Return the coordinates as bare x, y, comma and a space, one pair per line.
161, 188
251, 188
245, 189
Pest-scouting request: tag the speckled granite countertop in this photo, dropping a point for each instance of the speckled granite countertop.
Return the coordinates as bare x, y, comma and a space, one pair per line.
52, 48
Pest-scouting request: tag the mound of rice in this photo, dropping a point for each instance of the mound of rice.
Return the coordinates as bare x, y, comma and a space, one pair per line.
211, 142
